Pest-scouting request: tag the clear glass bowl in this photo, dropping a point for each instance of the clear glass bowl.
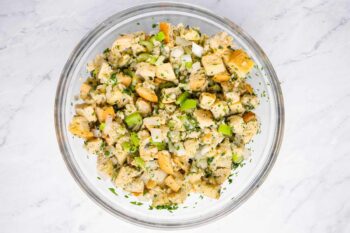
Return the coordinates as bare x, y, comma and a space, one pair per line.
199, 211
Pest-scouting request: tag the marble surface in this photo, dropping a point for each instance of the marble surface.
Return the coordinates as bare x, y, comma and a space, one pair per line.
308, 190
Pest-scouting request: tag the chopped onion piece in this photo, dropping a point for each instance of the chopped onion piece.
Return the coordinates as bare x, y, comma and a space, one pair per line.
156, 134
182, 42
177, 52
160, 60
186, 58
197, 50
195, 67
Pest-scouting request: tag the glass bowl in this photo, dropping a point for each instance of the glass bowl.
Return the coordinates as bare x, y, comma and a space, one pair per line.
196, 210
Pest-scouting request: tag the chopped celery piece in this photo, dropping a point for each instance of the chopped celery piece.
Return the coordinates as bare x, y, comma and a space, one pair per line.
188, 104
139, 162
166, 85
102, 126
225, 130
146, 57
152, 39
160, 36
126, 146
134, 139
159, 145
147, 44
188, 65
236, 158
182, 97
135, 119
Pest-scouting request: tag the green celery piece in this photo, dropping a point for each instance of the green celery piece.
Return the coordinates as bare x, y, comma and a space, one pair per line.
182, 97
225, 130
160, 36
236, 158
139, 162
147, 44
188, 65
188, 104
133, 120
134, 139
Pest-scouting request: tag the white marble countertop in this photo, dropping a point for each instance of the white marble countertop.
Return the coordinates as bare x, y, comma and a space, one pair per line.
308, 190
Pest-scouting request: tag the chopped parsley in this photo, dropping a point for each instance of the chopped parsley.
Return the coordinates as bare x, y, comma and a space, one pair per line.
168, 207
113, 191
136, 203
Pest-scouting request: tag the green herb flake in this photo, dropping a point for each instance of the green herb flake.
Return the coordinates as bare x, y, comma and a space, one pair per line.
113, 191
168, 207
210, 160
136, 203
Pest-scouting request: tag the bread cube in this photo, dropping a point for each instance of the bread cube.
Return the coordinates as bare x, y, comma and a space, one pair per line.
238, 62
166, 72
213, 64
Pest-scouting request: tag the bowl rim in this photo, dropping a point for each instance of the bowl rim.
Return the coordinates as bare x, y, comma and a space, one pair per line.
59, 124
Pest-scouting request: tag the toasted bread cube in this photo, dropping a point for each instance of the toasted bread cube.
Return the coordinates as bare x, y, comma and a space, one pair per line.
191, 35
151, 184
135, 187
123, 42
250, 101
213, 64
105, 165
204, 118
79, 126
221, 77
197, 81
166, 72
249, 116
102, 114
237, 124
166, 29
124, 79
236, 108
146, 93
105, 72
191, 147
145, 70
175, 185
220, 109
125, 176
164, 161
221, 174
86, 111
84, 90
93, 146
212, 191
220, 42
238, 62
232, 96
170, 94
250, 130
206, 100
194, 177
143, 107
115, 96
